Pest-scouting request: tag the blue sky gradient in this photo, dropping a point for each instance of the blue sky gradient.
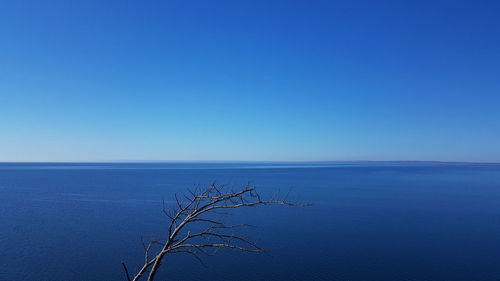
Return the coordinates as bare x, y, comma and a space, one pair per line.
249, 80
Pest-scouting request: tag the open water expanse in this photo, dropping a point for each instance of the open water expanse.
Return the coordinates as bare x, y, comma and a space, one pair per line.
370, 221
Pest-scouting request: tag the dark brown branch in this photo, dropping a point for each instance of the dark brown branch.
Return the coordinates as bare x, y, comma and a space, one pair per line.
126, 271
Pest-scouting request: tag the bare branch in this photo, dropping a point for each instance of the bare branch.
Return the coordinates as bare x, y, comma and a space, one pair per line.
193, 208
126, 271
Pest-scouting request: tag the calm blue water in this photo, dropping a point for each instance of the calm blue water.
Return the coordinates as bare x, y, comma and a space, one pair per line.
370, 221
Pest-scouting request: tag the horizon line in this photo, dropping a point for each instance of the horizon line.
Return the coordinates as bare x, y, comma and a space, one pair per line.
255, 161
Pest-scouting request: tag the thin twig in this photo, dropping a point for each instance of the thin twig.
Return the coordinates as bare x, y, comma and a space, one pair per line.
126, 271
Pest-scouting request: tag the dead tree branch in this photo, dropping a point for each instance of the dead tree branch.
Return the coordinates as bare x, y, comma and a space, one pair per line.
201, 206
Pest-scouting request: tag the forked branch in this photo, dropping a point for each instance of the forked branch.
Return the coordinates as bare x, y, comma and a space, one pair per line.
202, 206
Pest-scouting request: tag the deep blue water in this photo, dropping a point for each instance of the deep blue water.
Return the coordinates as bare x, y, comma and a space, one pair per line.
370, 221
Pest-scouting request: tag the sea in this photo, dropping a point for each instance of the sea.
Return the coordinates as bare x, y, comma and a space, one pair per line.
379, 221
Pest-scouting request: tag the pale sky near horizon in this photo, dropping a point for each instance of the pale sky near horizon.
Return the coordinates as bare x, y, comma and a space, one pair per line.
249, 80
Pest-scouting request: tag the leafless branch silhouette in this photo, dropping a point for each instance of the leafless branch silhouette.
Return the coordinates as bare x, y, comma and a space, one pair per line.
203, 206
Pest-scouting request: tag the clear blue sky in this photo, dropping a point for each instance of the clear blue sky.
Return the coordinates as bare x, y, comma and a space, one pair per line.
249, 80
